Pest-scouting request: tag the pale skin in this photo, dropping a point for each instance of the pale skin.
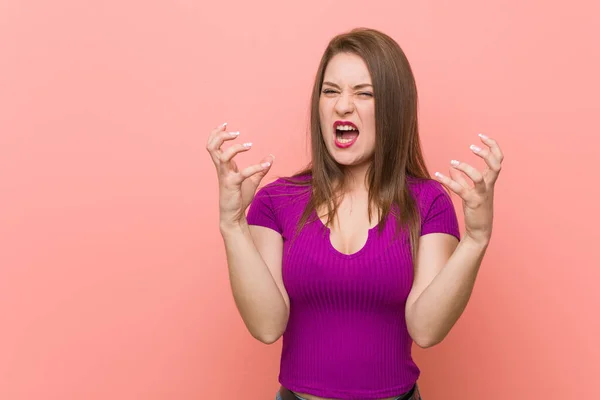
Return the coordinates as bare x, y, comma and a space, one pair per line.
445, 270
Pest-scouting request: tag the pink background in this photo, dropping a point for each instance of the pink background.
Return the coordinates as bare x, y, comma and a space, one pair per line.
113, 281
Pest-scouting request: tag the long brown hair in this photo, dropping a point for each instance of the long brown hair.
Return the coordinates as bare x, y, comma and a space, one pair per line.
397, 157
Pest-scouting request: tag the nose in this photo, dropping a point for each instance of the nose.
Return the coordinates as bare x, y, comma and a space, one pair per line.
344, 104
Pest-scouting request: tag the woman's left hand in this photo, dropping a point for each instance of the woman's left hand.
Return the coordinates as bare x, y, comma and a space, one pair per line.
478, 198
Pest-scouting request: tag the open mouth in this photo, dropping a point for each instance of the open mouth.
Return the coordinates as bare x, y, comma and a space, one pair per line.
346, 133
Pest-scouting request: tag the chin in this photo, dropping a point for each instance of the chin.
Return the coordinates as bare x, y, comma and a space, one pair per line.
349, 160
351, 157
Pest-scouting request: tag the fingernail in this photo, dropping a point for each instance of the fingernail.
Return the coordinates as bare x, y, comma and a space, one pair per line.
481, 135
234, 133
266, 164
454, 162
225, 124
475, 148
272, 156
249, 144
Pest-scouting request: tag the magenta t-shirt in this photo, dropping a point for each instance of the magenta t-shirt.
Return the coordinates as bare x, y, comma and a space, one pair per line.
346, 336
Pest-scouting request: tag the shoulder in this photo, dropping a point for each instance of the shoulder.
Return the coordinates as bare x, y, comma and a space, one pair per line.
283, 189
426, 190
437, 211
431, 197
276, 204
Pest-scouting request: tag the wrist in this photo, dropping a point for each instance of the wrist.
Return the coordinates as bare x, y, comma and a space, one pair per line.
476, 243
230, 228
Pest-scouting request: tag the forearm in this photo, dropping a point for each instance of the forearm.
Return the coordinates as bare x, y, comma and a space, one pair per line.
255, 292
441, 304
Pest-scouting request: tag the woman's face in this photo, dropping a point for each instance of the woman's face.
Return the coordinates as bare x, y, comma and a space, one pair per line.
347, 110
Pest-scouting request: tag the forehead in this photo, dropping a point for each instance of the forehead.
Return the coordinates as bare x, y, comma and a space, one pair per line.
347, 68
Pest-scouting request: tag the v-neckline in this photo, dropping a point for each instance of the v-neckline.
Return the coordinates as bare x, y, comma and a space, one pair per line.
330, 245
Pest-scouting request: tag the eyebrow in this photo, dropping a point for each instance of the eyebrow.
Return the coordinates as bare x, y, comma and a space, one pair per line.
359, 86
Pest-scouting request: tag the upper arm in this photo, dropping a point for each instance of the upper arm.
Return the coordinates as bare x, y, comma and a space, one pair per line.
267, 234
439, 238
269, 244
434, 251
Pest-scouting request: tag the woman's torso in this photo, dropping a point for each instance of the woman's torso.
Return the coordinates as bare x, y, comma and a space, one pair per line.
348, 283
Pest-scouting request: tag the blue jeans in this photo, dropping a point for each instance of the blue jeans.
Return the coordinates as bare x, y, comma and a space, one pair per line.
278, 397
416, 395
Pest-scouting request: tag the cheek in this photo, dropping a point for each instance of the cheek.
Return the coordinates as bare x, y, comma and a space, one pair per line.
369, 121
323, 117
322, 104
368, 118
371, 114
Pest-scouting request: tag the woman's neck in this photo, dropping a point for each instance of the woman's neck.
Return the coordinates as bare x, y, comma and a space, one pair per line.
355, 177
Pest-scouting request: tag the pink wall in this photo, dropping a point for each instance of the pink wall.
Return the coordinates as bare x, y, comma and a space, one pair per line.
112, 276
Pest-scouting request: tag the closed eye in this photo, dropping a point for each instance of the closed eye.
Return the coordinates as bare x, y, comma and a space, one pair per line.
364, 94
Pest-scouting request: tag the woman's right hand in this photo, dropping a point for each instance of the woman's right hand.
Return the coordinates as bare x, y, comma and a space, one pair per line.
236, 188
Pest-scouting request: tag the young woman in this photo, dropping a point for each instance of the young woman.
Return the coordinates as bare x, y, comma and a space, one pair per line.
359, 255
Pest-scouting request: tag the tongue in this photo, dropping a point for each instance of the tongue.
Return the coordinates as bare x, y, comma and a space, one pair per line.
348, 135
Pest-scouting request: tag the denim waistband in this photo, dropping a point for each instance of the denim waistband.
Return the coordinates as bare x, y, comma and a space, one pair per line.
415, 396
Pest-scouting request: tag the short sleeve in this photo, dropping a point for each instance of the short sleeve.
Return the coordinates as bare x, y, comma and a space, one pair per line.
261, 211
440, 215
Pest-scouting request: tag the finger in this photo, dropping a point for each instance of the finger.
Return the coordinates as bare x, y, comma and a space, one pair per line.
458, 176
257, 170
217, 140
471, 172
493, 171
494, 147
491, 160
213, 134
214, 146
210, 141
452, 185
216, 131
228, 154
